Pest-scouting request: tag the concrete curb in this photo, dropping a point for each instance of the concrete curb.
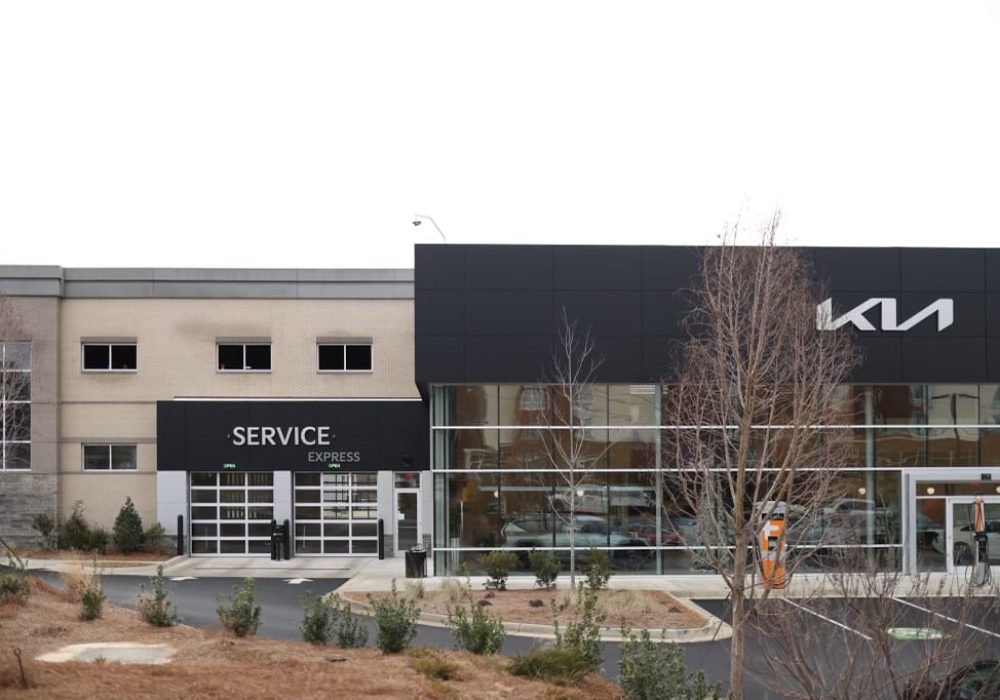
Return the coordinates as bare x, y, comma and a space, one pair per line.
108, 566
713, 629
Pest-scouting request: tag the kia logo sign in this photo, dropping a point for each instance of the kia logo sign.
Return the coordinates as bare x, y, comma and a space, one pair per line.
944, 308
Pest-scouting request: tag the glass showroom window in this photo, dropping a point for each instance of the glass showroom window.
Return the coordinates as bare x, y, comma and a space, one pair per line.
345, 357
15, 405
109, 357
107, 457
244, 357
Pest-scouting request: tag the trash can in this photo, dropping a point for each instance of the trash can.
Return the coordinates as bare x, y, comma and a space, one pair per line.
416, 562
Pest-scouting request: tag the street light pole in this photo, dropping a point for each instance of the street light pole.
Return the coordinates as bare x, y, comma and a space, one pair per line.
417, 221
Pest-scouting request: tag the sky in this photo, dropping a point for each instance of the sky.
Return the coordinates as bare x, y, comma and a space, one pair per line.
309, 134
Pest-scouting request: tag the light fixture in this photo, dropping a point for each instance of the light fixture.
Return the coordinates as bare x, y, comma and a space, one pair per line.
930, 490
998, 489
417, 221
496, 494
579, 493
862, 491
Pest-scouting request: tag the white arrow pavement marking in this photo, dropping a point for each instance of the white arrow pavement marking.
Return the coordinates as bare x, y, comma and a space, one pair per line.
297, 581
183, 578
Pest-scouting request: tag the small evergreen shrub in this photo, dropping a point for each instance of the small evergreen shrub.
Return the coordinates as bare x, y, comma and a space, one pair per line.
45, 526
154, 539
92, 596
98, 540
497, 566
480, 634
583, 635
395, 621
598, 569
553, 664
316, 625
14, 585
546, 569
349, 631
128, 533
240, 613
651, 670
75, 533
154, 607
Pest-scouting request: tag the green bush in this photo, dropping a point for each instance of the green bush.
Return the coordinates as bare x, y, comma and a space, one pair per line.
350, 631
75, 533
45, 526
154, 607
546, 568
128, 533
497, 566
92, 596
14, 584
316, 625
154, 539
240, 613
598, 569
395, 620
553, 664
98, 540
480, 634
651, 670
583, 635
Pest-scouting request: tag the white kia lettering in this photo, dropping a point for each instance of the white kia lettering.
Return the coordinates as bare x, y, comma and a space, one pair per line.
944, 308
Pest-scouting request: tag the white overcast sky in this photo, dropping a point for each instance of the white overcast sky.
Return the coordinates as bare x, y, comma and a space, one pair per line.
302, 134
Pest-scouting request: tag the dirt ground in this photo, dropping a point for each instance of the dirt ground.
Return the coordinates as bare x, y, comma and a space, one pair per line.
211, 664
637, 608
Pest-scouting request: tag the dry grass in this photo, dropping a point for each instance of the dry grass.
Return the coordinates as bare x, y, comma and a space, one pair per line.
637, 608
134, 558
212, 665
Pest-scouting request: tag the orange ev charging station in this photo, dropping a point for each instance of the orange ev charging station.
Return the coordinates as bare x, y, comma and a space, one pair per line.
771, 545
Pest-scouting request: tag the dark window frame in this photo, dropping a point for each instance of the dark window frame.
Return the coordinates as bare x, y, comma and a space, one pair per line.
110, 345
110, 449
219, 366
369, 345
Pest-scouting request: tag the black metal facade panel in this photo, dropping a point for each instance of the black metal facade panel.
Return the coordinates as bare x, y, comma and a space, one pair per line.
491, 313
291, 435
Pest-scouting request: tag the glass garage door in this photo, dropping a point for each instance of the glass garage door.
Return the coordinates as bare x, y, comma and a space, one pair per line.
231, 512
336, 513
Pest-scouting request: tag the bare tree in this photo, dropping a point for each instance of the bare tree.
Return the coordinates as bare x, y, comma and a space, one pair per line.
756, 385
567, 435
14, 384
869, 631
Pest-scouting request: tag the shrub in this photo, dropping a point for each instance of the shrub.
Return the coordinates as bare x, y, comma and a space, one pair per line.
75, 533
128, 534
583, 635
240, 613
553, 664
651, 670
316, 621
92, 596
154, 607
98, 540
154, 539
395, 620
350, 631
598, 569
45, 526
431, 664
546, 569
482, 634
14, 585
497, 566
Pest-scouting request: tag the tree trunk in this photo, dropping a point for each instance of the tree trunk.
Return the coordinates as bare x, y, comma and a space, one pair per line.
572, 538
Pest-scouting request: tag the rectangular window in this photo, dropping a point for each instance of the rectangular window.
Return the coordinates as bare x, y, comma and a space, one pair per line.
244, 357
109, 458
345, 357
15, 405
109, 357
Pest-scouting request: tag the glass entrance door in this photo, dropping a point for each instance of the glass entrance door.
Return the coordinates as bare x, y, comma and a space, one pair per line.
407, 519
961, 530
